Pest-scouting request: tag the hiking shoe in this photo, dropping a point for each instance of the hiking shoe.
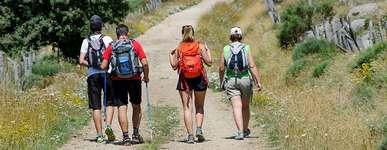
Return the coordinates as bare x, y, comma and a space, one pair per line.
137, 139
246, 133
190, 139
110, 134
126, 141
99, 139
199, 135
239, 136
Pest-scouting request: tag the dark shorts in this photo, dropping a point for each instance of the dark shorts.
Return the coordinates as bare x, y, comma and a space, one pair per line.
95, 86
196, 84
121, 89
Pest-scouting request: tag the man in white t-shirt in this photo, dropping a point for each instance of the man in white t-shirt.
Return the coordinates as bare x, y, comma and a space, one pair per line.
97, 79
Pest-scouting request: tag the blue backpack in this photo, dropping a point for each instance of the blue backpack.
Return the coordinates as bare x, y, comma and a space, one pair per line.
124, 61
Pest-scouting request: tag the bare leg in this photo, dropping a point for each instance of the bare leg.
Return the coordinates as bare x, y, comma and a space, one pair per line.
199, 107
109, 114
187, 107
237, 111
123, 118
245, 112
97, 121
136, 115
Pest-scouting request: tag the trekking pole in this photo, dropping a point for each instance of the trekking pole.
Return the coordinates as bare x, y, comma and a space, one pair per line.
149, 111
104, 98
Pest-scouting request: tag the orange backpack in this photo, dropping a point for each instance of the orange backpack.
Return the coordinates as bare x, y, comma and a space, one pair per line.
190, 61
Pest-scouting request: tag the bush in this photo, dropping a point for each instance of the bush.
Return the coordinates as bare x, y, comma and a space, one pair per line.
299, 17
296, 67
46, 67
320, 68
369, 55
323, 49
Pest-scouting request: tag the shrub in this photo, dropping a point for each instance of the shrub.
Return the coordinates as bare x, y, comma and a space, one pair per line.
299, 17
296, 67
46, 67
323, 49
320, 68
369, 55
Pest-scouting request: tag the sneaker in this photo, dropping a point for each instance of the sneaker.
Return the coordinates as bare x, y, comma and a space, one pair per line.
199, 135
110, 134
246, 133
137, 139
190, 139
99, 139
126, 141
239, 136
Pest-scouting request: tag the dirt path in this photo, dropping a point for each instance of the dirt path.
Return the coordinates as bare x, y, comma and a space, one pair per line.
218, 124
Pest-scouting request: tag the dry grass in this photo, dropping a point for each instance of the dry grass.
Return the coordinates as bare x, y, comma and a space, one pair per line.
309, 113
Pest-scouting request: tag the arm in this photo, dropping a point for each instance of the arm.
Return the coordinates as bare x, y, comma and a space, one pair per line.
106, 57
82, 56
82, 60
145, 67
221, 70
254, 71
173, 59
206, 54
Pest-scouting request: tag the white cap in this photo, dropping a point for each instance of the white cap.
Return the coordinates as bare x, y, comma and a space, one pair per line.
235, 30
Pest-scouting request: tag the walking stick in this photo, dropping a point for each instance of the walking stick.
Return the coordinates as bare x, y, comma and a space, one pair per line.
104, 98
149, 111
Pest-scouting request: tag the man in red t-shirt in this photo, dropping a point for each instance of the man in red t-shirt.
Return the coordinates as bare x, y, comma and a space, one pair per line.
121, 87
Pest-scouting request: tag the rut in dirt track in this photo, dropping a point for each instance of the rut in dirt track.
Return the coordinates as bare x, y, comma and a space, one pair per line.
218, 122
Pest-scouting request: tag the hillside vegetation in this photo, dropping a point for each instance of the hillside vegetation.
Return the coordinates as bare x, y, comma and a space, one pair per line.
314, 96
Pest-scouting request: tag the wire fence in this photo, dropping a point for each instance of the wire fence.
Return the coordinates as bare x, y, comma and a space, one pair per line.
12, 71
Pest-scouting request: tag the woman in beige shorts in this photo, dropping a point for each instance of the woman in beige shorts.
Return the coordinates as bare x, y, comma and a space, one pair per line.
237, 73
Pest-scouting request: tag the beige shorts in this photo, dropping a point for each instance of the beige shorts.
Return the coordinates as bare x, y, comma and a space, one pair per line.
239, 87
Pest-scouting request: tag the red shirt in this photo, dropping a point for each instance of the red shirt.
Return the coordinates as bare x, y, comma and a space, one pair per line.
137, 49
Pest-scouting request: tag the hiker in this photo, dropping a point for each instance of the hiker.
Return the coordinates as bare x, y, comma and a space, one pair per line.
97, 79
188, 60
128, 61
237, 72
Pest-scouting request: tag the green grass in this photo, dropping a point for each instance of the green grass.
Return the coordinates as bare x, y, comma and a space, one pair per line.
164, 122
43, 118
43, 71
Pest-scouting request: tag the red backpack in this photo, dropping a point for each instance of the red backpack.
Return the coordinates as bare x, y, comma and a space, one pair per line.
190, 61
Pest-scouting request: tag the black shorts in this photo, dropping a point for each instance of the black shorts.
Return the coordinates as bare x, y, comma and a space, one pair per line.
196, 84
121, 89
95, 85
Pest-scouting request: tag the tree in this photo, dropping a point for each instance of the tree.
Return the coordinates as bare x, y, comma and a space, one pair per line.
25, 25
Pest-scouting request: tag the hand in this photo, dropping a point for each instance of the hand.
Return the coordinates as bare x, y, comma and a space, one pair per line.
258, 87
173, 52
145, 79
85, 63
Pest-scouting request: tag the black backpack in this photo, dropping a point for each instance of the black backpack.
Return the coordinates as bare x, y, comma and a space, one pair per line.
94, 51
